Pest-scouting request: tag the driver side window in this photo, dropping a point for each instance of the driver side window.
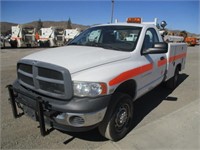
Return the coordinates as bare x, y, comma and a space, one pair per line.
150, 38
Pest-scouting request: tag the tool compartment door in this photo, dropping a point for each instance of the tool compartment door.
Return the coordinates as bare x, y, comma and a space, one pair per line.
176, 56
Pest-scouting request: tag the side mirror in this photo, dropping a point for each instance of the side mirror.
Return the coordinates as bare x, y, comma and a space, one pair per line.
158, 48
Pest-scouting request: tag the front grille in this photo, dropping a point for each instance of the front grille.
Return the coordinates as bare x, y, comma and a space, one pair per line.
26, 79
52, 87
45, 78
48, 73
59, 38
28, 38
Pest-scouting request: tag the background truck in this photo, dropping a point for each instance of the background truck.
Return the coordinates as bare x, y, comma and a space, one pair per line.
131, 37
2, 41
94, 83
191, 41
174, 39
22, 37
59, 36
69, 34
50, 37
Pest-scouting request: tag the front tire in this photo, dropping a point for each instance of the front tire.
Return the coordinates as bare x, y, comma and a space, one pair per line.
118, 119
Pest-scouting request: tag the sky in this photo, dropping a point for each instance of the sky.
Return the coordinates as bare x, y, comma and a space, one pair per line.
179, 14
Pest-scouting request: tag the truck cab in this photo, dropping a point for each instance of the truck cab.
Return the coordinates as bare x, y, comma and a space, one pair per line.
51, 37
70, 34
22, 36
95, 79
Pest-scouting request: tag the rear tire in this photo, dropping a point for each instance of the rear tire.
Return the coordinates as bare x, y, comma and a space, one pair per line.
13, 44
118, 118
172, 83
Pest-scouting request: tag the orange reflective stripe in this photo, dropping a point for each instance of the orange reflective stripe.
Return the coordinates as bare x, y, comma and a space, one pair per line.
176, 57
140, 70
171, 59
130, 74
162, 62
180, 56
13, 38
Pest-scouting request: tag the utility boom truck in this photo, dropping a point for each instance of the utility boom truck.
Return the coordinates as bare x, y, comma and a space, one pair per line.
22, 36
50, 37
70, 34
95, 79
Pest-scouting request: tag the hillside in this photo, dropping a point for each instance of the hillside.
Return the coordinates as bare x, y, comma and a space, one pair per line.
5, 27
176, 32
60, 24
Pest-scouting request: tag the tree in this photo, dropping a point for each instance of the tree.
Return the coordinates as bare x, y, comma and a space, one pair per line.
69, 24
39, 25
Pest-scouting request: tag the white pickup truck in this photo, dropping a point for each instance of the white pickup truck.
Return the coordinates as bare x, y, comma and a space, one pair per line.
94, 83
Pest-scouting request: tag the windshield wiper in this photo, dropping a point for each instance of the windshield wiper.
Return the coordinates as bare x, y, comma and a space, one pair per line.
92, 44
72, 44
109, 46
102, 45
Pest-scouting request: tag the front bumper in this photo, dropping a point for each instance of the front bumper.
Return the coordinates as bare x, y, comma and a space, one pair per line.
77, 114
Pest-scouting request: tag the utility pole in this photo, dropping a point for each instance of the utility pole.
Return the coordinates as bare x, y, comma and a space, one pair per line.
112, 11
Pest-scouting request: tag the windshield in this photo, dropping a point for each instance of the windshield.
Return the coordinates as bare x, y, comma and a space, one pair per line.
121, 38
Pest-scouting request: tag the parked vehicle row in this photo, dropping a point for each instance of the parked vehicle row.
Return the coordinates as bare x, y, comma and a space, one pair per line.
45, 37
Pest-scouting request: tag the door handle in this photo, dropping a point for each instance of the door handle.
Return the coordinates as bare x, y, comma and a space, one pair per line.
162, 58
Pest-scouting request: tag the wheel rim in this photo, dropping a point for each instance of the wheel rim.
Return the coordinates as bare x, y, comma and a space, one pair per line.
122, 117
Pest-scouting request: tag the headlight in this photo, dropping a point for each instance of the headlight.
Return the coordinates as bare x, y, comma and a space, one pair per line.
90, 89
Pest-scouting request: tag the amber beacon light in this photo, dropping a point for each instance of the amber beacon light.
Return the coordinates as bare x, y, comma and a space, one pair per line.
134, 20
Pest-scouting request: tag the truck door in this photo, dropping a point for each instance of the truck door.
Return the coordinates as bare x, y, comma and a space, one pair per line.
158, 61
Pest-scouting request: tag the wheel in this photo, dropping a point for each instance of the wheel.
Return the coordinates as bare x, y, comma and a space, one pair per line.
118, 119
13, 44
172, 83
47, 44
41, 44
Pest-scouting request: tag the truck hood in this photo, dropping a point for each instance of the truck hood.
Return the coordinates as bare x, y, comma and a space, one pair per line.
78, 58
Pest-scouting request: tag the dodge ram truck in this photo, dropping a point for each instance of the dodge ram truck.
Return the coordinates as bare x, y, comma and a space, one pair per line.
94, 80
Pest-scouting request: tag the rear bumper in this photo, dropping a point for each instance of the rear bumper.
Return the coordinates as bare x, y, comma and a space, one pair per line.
77, 114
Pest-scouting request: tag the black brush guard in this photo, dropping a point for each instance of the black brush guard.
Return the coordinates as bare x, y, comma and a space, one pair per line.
39, 108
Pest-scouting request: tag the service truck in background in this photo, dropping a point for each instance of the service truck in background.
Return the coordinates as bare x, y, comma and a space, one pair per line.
191, 41
70, 34
22, 36
59, 37
95, 79
51, 37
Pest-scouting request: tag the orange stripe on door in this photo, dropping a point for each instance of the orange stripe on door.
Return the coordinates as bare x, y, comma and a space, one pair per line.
130, 74
162, 62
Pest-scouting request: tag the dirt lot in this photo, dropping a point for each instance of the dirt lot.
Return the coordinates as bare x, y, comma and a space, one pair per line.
23, 133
